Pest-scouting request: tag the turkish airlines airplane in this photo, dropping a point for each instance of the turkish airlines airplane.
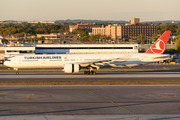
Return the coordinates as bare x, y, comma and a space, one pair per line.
72, 63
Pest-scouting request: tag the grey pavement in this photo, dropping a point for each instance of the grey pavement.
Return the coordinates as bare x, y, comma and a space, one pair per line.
49, 76
90, 102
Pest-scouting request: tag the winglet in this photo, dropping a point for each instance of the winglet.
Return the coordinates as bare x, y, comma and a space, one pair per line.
159, 46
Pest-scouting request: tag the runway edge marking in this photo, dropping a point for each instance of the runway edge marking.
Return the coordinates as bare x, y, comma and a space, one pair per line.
113, 103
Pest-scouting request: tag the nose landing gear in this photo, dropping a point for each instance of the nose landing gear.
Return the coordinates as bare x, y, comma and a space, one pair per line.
17, 73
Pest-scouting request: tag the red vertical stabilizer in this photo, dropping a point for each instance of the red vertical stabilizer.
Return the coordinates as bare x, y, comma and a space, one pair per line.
159, 46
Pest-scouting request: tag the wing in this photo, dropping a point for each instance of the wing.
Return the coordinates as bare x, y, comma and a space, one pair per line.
96, 62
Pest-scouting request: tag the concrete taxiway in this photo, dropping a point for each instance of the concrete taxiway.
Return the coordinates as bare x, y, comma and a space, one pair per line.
90, 102
49, 76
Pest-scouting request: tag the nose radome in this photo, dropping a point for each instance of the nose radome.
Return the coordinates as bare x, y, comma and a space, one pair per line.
5, 63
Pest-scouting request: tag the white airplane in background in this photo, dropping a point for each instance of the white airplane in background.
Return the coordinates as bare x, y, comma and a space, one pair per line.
72, 63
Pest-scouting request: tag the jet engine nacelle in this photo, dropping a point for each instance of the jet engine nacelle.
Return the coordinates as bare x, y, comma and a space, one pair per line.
71, 68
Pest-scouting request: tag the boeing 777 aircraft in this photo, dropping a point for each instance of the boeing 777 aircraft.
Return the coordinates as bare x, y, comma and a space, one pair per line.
72, 63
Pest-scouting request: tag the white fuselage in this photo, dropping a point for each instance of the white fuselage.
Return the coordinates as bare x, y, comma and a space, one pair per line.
58, 60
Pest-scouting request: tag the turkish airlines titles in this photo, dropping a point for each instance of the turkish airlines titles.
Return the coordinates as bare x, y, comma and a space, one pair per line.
43, 57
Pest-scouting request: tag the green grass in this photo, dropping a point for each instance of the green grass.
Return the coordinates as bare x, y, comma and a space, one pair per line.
93, 82
31, 71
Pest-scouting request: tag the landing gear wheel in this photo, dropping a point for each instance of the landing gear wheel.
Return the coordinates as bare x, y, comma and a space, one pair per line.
93, 72
86, 72
17, 73
90, 72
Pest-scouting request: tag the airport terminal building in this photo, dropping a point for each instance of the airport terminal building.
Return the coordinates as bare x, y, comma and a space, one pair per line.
85, 48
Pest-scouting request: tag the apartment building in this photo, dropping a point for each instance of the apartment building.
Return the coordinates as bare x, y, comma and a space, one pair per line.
113, 31
101, 30
134, 21
133, 31
87, 26
130, 31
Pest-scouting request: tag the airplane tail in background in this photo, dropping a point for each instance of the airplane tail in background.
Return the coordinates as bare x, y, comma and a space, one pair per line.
159, 46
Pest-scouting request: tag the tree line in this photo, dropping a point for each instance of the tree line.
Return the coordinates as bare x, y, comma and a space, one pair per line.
33, 29
19, 30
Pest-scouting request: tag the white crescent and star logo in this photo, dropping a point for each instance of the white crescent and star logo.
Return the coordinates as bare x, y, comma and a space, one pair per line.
158, 47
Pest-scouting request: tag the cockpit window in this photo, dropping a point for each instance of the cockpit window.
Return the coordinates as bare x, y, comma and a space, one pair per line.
7, 59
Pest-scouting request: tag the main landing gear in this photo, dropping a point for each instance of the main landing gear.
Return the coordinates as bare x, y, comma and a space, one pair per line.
90, 72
